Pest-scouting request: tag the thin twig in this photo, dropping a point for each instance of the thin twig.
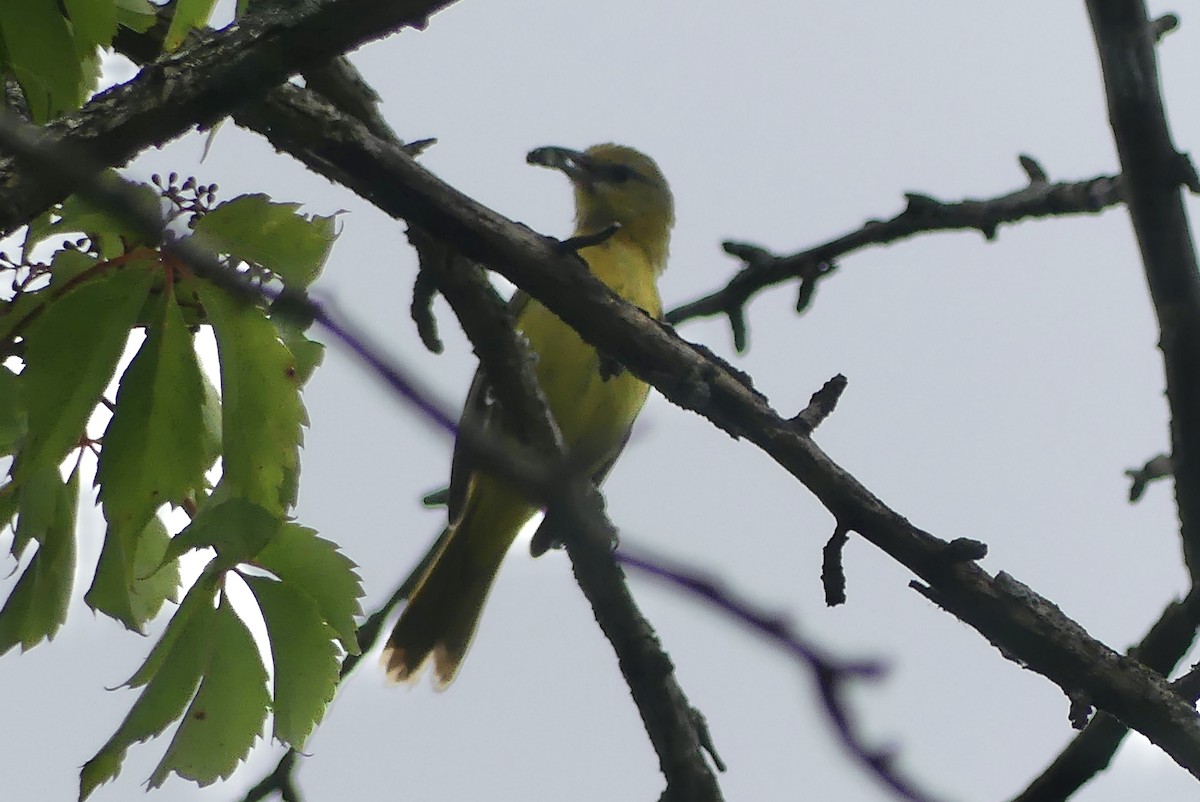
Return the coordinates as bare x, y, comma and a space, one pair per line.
921, 215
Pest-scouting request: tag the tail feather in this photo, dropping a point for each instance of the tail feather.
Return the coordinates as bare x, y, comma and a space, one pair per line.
443, 610
441, 616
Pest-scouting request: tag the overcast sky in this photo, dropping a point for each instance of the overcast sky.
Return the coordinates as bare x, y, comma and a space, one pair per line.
996, 391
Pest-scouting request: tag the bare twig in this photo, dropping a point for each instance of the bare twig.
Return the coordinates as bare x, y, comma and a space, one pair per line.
1155, 468
831, 675
922, 215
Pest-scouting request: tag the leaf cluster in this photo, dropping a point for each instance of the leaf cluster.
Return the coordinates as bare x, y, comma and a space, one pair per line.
99, 346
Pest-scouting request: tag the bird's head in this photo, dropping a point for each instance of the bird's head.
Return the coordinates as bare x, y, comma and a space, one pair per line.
616, 184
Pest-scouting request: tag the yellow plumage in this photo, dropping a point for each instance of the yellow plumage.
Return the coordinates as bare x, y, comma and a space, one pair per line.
613, 185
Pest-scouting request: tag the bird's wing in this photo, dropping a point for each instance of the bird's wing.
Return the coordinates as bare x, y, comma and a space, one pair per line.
475, 410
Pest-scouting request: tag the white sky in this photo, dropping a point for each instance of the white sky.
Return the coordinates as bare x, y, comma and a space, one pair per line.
997, 391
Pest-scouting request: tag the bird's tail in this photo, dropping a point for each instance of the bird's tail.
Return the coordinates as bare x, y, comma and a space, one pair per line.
443, 610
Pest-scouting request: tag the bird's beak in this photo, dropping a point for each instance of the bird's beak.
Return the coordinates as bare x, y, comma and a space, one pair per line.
576, 165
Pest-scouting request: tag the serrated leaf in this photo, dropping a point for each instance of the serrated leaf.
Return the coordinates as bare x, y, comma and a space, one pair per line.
197, 603
13, 421
42, 55
71, 353
314, 566
94, 22
189, 14
238, 529
153, 453
260, 402
37, 606
304, 655
308, 353
253, 229
39, 496
154, 449
171, 674
155, 579
134, 575
227, 714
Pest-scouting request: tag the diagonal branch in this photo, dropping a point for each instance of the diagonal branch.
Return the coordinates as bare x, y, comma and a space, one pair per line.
1090, 752
1024, 625
200, 84
921, 215
1154, 173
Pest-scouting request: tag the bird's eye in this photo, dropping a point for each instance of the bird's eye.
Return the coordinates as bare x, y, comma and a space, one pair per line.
620, 173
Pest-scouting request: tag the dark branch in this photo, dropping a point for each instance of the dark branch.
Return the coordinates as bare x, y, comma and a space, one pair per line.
1090, 752
821, 405
1153, 174
1022, 624
1157, 467
201, 84
922, 214
1017, 620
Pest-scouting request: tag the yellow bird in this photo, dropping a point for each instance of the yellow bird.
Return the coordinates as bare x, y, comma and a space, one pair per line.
614, 186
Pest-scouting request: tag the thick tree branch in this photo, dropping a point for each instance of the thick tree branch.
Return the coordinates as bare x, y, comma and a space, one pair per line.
201, 84
1153, 173
1024, 625
1021, 623
922, 214
1090, 752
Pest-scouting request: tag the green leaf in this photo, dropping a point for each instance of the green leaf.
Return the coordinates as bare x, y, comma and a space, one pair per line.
42, 56
71, 352
315, 566
94, 22
155, 579
238, 529
154, 453
37, 606
38, 501
110, 232
154, 446
170, 674
304, 655
24, 308
253, 229
261, 410
210, 414
227, 714
308, 353
9, 500
197, 603
134, 575
189, 14
137, 15
13, 421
